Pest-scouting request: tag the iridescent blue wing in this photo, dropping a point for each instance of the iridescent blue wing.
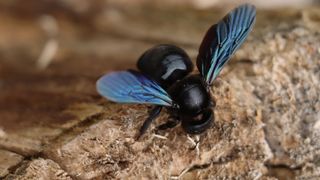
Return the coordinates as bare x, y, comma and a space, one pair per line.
223, 39
132, 87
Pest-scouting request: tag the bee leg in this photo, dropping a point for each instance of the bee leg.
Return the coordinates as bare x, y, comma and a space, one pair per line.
169, 124
154, 113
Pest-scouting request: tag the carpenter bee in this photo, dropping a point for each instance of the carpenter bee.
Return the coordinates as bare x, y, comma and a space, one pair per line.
164, 79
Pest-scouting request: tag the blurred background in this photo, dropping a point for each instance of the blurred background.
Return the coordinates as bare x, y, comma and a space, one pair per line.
50, 31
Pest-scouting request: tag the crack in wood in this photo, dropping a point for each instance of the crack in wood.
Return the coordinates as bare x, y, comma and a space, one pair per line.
68, 132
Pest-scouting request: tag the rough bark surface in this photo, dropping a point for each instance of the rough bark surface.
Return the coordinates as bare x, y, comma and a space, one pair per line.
53, 124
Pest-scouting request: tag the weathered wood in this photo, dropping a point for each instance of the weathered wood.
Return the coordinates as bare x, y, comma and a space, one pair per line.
267, 114
40, 169
8, 160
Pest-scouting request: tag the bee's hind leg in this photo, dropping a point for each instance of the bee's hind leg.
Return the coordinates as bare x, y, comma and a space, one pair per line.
154, 113
173, 122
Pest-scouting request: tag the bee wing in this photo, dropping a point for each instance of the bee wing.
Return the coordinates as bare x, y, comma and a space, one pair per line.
223, 39
132, 87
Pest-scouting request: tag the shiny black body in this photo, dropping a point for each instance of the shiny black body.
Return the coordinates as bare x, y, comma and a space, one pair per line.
194, 103
165, 64
170, 67
190, 94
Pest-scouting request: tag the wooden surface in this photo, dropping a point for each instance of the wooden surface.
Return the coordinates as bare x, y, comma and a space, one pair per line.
54, 125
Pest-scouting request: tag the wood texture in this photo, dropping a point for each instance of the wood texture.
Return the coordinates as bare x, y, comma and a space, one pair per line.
54, 125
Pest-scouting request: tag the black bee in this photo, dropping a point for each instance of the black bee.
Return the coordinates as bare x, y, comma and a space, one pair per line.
164, 78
